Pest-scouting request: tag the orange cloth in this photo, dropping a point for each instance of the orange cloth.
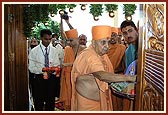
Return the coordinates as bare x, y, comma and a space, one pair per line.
65, 82
114, 29
119, 31
88, 62
99, 32
65, 90
71, 33
116, 53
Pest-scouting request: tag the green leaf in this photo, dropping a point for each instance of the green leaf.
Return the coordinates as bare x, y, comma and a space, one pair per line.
111, 7
129, 9
96, 9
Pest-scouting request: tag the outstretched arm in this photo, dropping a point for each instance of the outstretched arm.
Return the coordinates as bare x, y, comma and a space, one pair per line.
86, 84
63, 35
67, 21
109, 77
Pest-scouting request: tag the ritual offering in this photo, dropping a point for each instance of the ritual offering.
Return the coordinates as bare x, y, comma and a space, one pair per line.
126, 89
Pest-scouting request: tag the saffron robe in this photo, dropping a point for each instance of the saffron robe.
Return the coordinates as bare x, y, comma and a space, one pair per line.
65, 82
116, 53
86, 63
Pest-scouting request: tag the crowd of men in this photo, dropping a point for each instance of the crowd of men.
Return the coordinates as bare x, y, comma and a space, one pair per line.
81, 75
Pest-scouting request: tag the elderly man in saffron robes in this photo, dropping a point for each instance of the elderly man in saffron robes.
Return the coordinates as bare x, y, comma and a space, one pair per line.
91, 73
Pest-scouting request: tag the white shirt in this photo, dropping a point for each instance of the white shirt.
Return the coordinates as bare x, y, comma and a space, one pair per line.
61, 52
37, 59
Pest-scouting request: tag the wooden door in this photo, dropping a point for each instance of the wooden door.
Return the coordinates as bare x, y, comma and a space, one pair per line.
15, 60
151, 66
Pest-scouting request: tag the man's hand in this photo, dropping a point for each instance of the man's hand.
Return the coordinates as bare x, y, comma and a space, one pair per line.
132, 78
65, 16
45, 75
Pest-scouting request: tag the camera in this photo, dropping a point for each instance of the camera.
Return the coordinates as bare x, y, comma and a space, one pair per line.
65, 15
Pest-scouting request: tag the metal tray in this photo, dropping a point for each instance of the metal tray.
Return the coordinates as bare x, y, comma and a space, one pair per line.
125, 93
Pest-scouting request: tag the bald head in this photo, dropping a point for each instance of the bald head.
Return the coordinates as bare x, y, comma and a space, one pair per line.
82, 39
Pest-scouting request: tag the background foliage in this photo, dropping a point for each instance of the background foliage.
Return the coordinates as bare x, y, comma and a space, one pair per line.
52, 25
34, 14
96, 9
111, 7
129, 9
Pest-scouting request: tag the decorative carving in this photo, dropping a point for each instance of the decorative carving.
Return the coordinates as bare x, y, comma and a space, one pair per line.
152, 96
152, 101
155, 44
12, 99
10, 18
11, 57
155, 27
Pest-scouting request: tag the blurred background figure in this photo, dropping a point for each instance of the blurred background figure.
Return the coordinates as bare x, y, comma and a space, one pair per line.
82, 40
32, 43
54, 39
58, 45
116, 52
71, 51
119, 35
